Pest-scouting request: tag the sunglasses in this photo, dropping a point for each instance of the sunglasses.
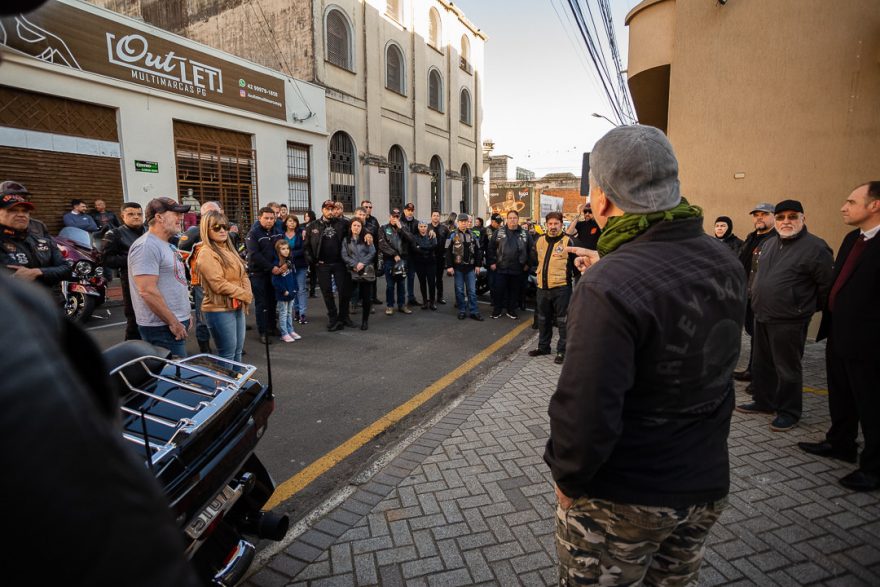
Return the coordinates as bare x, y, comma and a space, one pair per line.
368, 206
793, 216
219, 227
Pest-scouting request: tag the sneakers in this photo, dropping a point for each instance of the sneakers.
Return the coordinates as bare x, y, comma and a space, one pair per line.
783, 423
295, 336
538, 352
389, 311
433, 307
752, 408
462, 315
512, 315
287, 338
405, 310
477, 317
302, 319
560, 357
495, 315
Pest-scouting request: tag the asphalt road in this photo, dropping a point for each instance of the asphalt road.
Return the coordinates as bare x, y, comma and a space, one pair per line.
330, 386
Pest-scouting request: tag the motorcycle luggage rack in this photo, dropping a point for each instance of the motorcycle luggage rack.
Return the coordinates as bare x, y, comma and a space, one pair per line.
227, 377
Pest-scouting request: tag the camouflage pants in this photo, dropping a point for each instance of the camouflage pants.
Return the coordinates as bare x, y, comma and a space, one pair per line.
604, 543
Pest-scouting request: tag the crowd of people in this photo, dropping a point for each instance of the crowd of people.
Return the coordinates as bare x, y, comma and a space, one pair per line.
665, 301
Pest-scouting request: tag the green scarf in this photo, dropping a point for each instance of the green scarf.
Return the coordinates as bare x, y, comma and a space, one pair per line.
622, 229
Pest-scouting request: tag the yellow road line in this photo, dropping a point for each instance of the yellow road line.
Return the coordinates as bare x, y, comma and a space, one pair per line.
815, 391
289, 488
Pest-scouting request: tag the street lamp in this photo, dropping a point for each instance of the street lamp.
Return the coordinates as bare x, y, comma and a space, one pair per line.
597, 115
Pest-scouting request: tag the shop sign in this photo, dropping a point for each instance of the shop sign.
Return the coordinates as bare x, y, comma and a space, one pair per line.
75, 37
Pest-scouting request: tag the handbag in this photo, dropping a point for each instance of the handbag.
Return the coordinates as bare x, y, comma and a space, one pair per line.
368, 273
398, 272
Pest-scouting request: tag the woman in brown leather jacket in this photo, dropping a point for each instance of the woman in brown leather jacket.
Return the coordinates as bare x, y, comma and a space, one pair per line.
224, 278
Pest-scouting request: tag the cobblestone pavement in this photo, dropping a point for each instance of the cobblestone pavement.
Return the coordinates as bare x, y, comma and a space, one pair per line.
471, 502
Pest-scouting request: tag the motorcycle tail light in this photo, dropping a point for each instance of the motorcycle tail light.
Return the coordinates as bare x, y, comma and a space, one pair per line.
83, 268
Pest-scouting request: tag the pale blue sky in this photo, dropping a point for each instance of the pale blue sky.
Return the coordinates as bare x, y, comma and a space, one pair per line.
538, 89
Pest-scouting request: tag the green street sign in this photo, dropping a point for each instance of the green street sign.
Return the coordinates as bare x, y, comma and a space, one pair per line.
146, 166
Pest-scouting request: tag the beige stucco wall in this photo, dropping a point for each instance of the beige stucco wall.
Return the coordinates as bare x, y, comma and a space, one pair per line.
786, 93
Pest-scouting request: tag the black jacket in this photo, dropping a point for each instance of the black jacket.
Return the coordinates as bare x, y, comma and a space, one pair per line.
441, 231
424, 247
509, 250
80, 491
793, 278
463, 251
732, 242
750, 250
642, 409
260, 245
34, 252
853, 325
395, 241
318, 231
116, 245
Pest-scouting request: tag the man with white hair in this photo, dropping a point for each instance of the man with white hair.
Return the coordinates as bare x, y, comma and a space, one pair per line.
640, 417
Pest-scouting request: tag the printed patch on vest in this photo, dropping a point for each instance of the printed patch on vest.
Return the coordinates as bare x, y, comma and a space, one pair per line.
42, 246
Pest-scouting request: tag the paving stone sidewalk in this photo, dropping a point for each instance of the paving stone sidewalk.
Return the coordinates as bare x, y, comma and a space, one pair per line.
471, 503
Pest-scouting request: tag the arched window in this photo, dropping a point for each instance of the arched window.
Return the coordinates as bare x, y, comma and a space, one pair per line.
464, 111
342, 159
394, 9
436, 182
435, 29
435, 90
339, 39
465, 188
464, 60
395, 69
396, 178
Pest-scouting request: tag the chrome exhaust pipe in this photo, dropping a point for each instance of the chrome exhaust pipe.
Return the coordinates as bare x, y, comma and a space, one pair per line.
267, 525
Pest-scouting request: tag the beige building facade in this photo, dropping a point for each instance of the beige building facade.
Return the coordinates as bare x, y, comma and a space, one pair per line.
762, 101
403, 81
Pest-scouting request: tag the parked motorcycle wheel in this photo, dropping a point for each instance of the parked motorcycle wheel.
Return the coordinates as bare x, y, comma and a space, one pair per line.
79, 307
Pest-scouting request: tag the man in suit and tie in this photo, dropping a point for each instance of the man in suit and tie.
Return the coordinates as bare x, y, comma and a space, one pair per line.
851, 322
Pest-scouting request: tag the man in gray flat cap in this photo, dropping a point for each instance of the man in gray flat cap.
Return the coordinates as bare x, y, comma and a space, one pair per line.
639, 422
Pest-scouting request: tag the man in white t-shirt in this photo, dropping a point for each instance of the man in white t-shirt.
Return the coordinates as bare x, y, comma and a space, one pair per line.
159, 290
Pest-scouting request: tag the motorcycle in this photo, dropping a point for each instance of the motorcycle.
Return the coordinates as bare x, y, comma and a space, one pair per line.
86, 289
196, 423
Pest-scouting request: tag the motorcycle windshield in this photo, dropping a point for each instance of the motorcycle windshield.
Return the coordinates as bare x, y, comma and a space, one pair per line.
77, 235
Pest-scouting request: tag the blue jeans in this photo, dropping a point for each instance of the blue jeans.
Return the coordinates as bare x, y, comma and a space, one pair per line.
202, 333
391, 284
302, 294
285, 316
227, 329
161, 336
469, 278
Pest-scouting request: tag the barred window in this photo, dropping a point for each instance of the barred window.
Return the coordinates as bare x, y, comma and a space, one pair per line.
338, 40
298, 178
465, 106
436, 182
435, 90
464, 59
396, 179
394, 69
342, 158
465, 188
435, 29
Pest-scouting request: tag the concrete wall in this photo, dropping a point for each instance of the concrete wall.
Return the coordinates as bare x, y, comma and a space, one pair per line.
768, 101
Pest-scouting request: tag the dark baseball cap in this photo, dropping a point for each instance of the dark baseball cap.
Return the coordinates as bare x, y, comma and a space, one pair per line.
409, 206
395, 212
10, 200
496, 218
763, 207
789, 206
160, 205
14, 188
328, 204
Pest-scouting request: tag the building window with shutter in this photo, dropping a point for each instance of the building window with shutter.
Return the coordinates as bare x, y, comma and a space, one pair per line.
395, 69
465, 188
298, 179
342, 158
436, 182
435, 29
339, 40
465, 106
396, 178
394, 9
464, 59
435, 90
